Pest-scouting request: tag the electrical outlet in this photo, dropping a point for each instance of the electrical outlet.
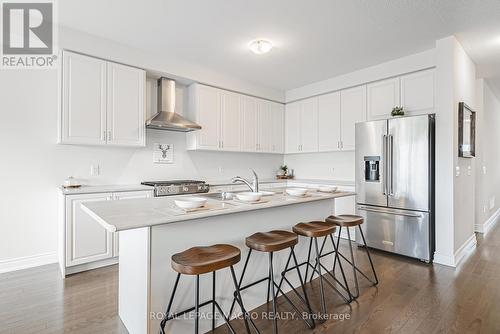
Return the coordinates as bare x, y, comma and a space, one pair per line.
95, 170
469, 170
485, 209
492, 203
484, 170
333, 170
221, 170
457, 171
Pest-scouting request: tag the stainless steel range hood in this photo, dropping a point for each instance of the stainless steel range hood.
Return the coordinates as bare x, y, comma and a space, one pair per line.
167, 118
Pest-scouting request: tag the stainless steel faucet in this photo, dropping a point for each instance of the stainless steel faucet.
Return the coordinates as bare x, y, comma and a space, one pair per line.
254, 186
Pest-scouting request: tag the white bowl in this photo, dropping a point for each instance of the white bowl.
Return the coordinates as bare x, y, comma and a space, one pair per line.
299, 192
267, 193
190, 203
327, 189
249, 196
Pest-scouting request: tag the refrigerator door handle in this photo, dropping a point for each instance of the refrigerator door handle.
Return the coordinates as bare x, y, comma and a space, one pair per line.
384, 159
390, 141
396, 213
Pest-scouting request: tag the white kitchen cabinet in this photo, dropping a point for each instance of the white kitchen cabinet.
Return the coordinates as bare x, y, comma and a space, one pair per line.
277, 111
301, 119
126, 105
83, 110
103, 103
353, 110
230, 120
382, 97
292, 127
329, 114
264, 126
417, 92
205, 110
84, 243
86, 240
309, 125
249, 124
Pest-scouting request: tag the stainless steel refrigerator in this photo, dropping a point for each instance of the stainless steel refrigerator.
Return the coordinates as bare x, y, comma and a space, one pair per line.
395, 184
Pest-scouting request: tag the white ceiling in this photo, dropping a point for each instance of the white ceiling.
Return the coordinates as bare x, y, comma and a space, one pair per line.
314, 40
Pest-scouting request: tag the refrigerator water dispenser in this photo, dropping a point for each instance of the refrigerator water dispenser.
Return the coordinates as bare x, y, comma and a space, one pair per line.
372, 168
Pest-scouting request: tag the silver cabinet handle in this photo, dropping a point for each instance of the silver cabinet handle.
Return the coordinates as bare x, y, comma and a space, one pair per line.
413, 215
109, 135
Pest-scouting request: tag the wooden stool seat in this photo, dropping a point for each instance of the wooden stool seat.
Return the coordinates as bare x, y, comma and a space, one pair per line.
202, 260
271, 241
314, 229
345, 220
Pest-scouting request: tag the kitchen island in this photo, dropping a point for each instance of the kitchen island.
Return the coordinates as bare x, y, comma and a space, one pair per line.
152, 230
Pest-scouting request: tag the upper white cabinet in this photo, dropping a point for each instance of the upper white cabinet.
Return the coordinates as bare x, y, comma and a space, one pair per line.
249, 124
415, 92
329, 122
126, 105
301, 130
83, 117
103, 103
353, 110
230, 119
234, 122
382, 97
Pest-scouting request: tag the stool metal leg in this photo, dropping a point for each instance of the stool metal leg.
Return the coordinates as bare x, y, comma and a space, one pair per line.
213, 298
354, 271
271, 278
246, 315
197, 304
308, 257
322, 294
336, 250
169, 307
241, 280
369, 257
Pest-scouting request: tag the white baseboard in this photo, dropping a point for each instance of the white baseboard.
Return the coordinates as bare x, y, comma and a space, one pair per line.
460, 254
488, 224
465, 249
27, 262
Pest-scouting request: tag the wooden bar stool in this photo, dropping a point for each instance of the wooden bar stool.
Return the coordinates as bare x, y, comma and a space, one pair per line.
270, 242
202, 260
315, 230
353, 221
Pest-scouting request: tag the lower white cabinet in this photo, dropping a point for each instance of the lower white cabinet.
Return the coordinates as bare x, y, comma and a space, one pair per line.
85, 244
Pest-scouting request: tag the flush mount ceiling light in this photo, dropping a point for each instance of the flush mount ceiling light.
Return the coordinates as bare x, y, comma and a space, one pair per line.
260, 46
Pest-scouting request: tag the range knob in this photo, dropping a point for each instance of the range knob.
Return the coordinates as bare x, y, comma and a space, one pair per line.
185, 188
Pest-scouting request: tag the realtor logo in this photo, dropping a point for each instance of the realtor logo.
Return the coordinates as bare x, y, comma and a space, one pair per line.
28, 34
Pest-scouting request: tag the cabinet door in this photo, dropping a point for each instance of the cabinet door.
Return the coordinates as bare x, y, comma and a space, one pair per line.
126, 195
292, 127
382, 97
329, 122
230, 121
249, 122
277, 127
309, 125
86, 240
126, 105
208, 116
83, 117
264, 126
353, 110
417, 92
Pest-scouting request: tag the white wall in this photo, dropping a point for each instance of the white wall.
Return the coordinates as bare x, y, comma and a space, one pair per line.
487, 156
33, 165
338, 166
455, 76
412, 63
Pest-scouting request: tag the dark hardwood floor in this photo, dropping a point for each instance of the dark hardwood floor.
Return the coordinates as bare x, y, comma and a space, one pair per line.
412, 297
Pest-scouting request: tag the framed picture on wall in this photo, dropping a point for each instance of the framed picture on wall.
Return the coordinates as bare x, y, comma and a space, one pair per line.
466, 131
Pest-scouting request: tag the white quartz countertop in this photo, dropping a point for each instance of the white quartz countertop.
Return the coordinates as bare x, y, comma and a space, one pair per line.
136, 213
104, 189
